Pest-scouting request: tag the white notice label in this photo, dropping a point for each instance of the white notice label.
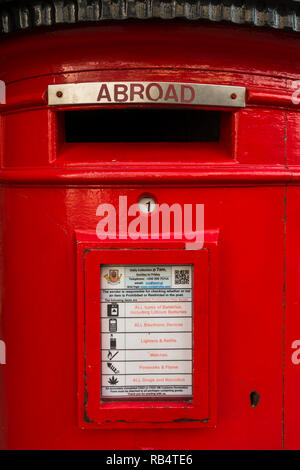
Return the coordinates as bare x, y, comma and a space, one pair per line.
146, 331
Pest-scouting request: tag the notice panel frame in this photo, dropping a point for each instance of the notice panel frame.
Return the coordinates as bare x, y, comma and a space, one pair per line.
92, 412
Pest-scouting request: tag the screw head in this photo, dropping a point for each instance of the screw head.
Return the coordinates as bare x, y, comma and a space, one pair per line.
233, 96
59, 94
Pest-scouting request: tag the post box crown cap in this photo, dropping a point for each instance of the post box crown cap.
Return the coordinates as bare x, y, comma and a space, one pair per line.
25, 14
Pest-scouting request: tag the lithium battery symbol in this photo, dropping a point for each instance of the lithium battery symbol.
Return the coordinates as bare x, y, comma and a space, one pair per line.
112, 310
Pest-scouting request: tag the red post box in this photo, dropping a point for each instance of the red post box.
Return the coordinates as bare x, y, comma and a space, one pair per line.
149, 241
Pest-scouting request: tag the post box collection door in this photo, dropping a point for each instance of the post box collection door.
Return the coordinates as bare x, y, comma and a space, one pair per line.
149, 241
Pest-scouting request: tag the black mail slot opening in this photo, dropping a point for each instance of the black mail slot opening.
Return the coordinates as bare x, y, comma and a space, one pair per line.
142, 125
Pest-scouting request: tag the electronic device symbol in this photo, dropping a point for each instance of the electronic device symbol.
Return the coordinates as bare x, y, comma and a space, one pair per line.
113, 325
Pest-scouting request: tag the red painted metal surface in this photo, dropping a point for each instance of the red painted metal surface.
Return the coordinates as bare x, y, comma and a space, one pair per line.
248, 184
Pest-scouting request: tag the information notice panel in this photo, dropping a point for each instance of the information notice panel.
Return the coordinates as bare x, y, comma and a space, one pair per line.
146, 331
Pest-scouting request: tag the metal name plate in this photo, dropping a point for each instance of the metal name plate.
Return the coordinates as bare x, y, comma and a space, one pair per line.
147, 92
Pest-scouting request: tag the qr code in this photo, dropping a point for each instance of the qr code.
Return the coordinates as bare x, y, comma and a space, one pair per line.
182, 276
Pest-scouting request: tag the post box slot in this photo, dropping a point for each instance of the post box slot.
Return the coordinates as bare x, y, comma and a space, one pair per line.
142, 125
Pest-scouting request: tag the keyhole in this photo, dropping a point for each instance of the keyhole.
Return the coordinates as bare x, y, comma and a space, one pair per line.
254, 399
